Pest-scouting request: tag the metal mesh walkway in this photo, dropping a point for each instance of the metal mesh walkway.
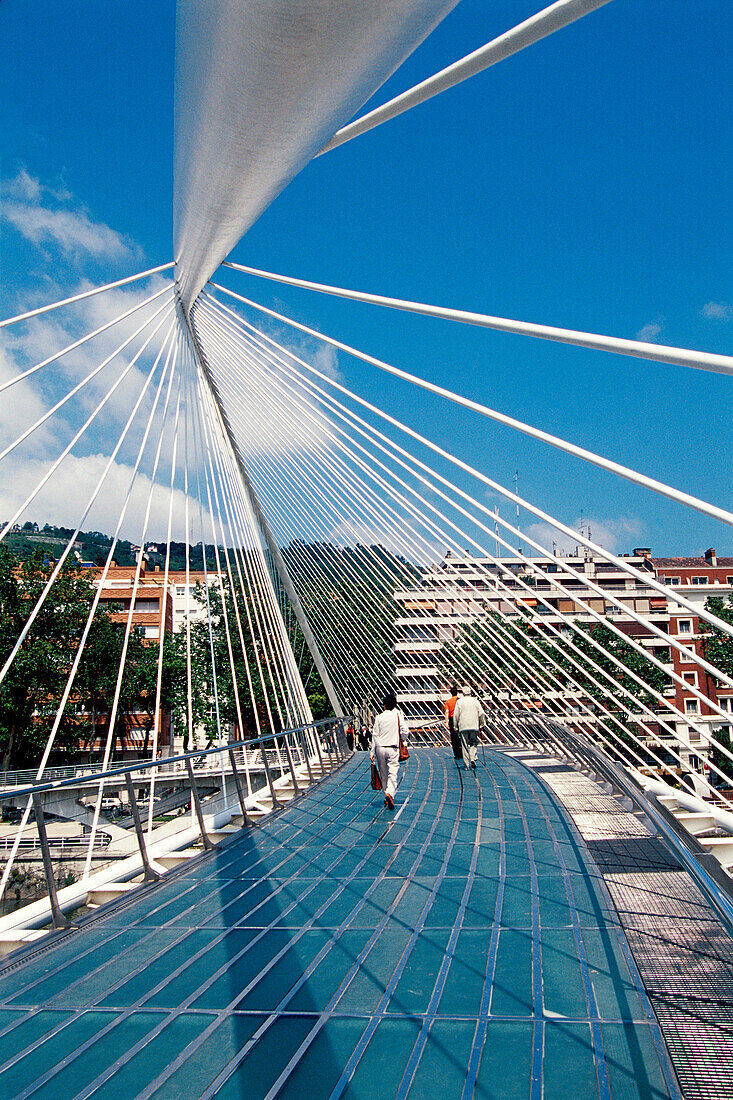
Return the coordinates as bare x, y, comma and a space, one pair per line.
463, 946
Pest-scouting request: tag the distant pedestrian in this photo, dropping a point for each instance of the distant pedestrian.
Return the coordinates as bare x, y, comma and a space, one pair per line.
386, 746
450, 725
468, 717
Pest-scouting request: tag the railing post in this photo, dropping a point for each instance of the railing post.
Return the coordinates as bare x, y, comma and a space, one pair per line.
289, 755
317, 739
149, 874
59, 920
304, 745
338, 726
238, 784
197, 806
268, 773
330, 742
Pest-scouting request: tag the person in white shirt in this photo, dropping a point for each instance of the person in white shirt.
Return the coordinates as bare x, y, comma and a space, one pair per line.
468, 718
385, 748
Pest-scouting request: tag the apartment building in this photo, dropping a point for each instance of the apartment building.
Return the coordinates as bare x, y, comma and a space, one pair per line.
697, 579
461, 590
160, 607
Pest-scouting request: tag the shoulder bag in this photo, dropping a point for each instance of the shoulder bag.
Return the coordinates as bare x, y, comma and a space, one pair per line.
403, 753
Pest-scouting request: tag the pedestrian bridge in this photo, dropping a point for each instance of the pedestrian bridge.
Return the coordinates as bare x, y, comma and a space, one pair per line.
557, 925
514, 933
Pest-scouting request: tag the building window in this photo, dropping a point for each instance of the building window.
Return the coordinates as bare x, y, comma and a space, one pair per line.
690, 678
690, 656
725, 702
729, 580
671, 580
692, 706
180, 590
152, 632
684, 626
146, 606
699, 580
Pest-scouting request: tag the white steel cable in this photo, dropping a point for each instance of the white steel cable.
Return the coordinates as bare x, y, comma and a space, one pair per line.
171, 361
62, 557
639, 349
75, 665
192, 398
203, 433
216, 512
166, 581
128, 625
537, 27
85, 294
272, 636
282, 652
625, 472
514, 498
84, 340
230, 572
561, 588
615, 685
357, 518
402, 579
655, 717
72, 392
80, 432
318, 504
583, 580
236, 525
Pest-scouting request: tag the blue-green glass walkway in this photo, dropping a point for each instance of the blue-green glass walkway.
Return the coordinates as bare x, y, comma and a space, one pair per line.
462, 946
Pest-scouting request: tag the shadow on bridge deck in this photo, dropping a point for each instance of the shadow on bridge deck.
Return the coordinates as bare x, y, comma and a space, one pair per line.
463, 946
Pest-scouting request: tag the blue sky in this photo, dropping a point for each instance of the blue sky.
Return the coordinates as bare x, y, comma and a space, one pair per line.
584, 182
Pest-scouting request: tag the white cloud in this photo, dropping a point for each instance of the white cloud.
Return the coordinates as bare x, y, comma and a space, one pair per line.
650, 332
614, 534
717, 311
24, 187
47, 217
26, 345
63, 499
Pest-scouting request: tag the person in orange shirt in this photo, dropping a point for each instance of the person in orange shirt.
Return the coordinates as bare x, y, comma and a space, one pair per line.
448, 708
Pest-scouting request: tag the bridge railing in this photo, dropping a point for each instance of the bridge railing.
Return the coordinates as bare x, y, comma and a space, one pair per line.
137, 814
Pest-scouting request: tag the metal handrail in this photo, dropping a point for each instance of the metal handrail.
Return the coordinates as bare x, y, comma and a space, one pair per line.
71, 781
336, 738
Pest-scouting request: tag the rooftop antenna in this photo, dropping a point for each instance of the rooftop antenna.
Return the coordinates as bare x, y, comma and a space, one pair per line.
516, 493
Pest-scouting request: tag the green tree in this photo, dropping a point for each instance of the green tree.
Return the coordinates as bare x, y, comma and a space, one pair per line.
717, 645
475, 656
35, 679
718, 758
230, 687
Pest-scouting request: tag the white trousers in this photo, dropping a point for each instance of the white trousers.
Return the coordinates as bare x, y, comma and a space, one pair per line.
388, 762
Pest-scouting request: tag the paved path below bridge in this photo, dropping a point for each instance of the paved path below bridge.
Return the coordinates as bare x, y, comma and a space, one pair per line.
461, 946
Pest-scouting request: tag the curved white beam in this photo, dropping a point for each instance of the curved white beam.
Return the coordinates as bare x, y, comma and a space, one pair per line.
660, 353
712, 510
260, 87
538, 26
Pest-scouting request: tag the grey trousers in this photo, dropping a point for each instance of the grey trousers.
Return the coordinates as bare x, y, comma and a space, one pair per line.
469, 743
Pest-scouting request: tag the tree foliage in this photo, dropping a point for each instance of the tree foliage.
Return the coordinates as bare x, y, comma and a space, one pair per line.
347, 593
476, 656
717, 645
33, 687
